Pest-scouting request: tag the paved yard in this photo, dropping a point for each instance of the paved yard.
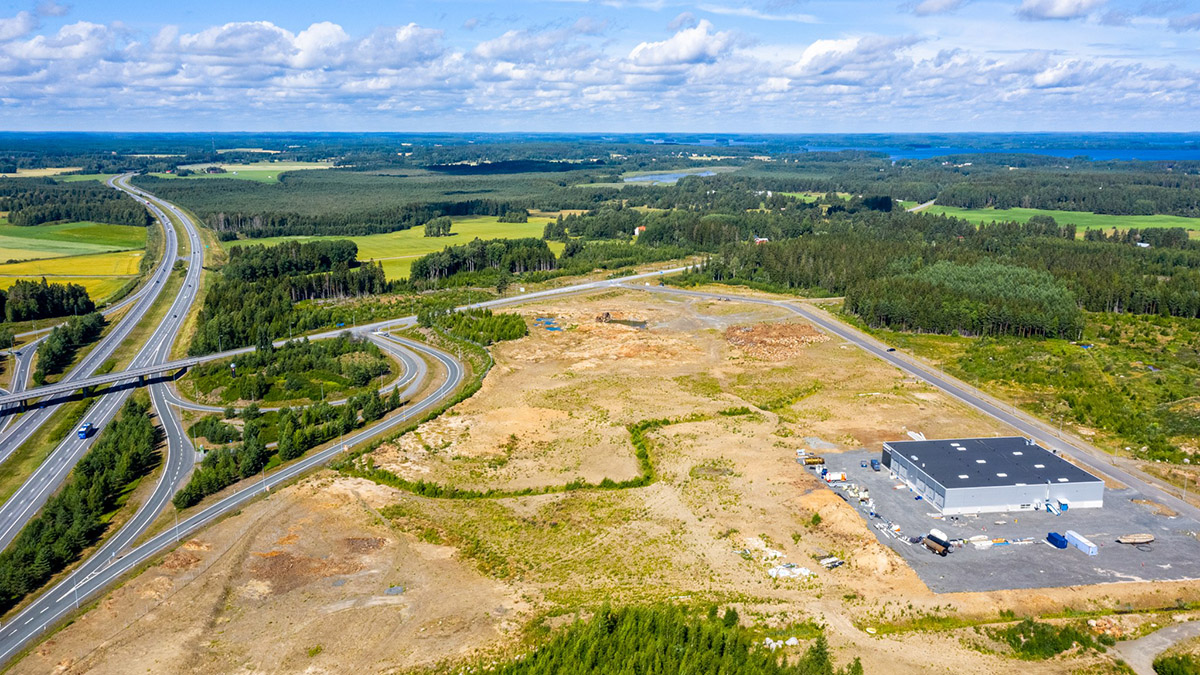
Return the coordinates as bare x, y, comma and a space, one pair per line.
1175, 554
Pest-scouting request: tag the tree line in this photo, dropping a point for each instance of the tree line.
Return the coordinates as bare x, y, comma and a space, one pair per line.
26, 300
480, 326
292, 368
58, 349
666, 639
244, 307
289, 258
72, 518
858, 255
298, 430
984, 298
516, 256
33, 201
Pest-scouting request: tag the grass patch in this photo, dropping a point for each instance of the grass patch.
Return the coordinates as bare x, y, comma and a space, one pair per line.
1035, 641
64, 239
1133, 381
79, 177
1081, 219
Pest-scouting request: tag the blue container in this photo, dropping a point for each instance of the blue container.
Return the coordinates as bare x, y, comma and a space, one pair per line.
1056, 540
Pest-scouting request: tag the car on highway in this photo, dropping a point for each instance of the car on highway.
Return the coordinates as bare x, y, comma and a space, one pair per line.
891, 349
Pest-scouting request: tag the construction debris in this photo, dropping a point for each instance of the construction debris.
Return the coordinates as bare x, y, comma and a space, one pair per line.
773, 341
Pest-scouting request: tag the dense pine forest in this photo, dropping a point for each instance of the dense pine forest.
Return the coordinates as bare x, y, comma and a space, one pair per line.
33, 201
253, 301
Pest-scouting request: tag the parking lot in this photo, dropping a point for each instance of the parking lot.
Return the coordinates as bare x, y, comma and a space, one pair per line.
1174, 555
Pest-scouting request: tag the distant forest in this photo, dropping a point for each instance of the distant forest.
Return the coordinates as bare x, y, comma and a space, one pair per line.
33, 201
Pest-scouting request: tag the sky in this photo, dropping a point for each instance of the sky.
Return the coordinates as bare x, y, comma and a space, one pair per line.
723, 66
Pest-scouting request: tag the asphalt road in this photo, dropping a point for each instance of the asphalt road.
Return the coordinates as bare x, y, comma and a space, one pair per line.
22, 372
112, 560
27, 424
1029, 426
46, 479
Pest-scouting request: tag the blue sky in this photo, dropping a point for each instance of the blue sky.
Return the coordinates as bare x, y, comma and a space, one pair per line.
800, 66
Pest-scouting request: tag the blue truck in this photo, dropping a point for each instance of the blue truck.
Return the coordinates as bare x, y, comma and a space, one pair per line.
85, 430
875, 464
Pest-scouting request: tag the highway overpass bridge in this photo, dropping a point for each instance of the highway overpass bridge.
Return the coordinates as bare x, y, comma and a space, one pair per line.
140, 376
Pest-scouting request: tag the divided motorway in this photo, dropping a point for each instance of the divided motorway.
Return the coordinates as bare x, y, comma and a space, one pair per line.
112, 561
46, 479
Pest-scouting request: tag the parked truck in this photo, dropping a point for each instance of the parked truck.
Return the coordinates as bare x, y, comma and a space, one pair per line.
875, 464
813, 460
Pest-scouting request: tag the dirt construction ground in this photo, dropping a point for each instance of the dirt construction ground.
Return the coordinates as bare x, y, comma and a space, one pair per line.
338, 574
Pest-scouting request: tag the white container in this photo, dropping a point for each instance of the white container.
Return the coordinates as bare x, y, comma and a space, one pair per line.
1081, 542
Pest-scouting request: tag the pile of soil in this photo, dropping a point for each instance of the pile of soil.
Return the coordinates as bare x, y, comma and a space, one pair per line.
773, 341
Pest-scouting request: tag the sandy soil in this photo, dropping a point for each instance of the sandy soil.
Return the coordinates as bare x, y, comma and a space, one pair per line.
311, 566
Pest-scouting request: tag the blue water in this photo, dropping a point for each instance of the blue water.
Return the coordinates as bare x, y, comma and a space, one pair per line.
666, 178
1101, 155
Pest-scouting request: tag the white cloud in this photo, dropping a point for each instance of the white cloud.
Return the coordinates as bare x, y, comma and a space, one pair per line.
17, 26
76, 41
1185, 23
518, 45
52, 8
689, 46
683, 20
928, 7
1057, 9
751, 13
261, 75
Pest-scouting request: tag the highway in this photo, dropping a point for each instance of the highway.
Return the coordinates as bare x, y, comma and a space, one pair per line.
16, 434
45, 480
1092, 458
112, 559
22, 372
109, 563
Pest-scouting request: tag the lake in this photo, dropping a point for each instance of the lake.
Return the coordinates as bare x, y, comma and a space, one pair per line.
666, 178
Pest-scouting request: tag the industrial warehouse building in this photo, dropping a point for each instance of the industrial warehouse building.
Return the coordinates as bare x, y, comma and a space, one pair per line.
982, 475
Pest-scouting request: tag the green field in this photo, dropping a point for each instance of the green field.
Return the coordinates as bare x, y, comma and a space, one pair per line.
397, 250
261, 172
84, 176
1081, 219
66, 239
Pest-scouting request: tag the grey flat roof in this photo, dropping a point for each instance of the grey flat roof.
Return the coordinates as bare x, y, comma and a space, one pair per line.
989, 462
